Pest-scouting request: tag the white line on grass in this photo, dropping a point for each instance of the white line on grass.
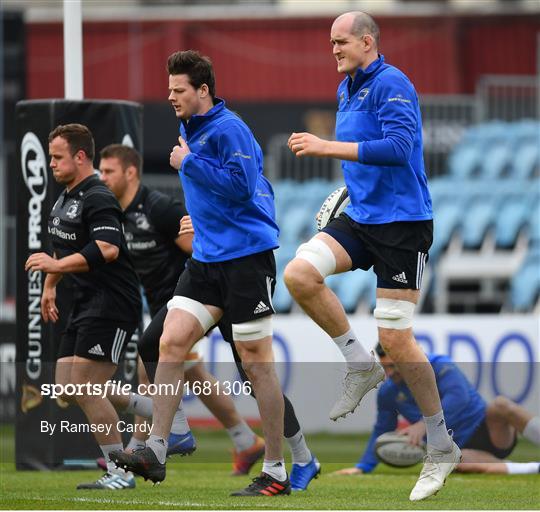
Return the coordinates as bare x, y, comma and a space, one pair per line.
121, 501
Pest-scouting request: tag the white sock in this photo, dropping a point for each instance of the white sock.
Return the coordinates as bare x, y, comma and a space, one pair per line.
299, 450
437, 433
180, 423
242, 436
532, 430
354, 353
135, 444
275, 468
522, 468
159, 446
140, 405
106, 450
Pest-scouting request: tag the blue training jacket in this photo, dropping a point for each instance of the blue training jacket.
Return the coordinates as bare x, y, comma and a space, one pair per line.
230, 202
464, 409
380, 111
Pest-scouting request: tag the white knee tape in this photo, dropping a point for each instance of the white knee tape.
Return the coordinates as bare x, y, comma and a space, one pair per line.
394, 314
254, 330
319, 255
195, 308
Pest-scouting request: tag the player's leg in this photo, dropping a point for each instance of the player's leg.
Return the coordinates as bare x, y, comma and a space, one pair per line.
186, 322
305, 466
504, 417
333, 251
138, 438
253, 342
478, 461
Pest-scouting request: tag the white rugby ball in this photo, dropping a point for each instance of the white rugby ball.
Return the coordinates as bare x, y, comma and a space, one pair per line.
393, 449
332, 206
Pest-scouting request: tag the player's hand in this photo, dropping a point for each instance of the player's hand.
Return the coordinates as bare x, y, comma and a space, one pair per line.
415, 433
347, 471
49, 311
42, 261
306, 144
178, 153
186, 227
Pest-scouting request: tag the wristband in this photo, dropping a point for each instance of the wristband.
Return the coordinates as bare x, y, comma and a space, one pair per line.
93, 255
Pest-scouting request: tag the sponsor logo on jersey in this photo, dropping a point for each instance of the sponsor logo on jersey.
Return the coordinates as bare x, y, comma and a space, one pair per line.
62, 234
56, 221
400, 98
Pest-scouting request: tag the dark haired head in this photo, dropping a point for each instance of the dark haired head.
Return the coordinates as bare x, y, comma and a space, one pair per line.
197, 67
126, 155
78, 137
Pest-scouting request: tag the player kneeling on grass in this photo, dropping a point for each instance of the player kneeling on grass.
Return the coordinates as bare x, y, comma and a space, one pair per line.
486, 433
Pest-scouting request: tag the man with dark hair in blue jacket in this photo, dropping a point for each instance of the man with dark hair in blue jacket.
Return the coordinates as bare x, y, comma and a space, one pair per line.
387, 225
486, 433
232, 270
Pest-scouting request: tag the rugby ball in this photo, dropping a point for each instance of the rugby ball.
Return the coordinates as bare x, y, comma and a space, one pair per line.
332, 206
393, 449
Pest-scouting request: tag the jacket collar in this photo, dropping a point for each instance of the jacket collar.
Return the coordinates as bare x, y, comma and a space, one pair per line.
198, 119
362, 75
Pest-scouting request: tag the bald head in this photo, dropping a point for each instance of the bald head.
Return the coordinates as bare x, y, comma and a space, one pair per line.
359, 23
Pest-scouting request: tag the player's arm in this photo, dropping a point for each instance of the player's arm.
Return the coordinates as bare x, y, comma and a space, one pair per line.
307, 144
235, 176
49, 311
184, 240
164, 213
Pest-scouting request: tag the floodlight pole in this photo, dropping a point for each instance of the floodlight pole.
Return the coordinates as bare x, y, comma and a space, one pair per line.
73, 56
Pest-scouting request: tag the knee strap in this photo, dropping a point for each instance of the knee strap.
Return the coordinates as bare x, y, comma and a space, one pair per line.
254, 330
195, 308
319, 255
394, 314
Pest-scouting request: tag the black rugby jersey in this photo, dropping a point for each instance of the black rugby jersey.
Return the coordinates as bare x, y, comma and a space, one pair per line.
89, 212
151, 225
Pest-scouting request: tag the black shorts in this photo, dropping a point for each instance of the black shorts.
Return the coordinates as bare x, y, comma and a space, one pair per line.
480, 440
242, 287
398, 251
96, 338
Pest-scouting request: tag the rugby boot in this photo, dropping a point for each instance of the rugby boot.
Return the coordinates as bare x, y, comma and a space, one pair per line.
437, 466
243, 461
301, 475
111, 481
355, 385
142, 462
265, 485
181, 444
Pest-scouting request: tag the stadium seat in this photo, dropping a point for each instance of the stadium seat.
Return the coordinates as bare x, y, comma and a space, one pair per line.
525, 286
447, 220
526, 161
353, 288
478, 218
512, 217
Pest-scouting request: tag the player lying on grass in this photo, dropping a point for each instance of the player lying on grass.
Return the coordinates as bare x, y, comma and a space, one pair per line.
486, 433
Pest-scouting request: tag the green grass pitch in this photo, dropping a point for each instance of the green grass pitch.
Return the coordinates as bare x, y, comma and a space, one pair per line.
197, 483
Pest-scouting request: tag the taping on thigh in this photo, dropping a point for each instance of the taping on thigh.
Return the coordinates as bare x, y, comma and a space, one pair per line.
319, 255
195, 308
393, 313
253, 330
